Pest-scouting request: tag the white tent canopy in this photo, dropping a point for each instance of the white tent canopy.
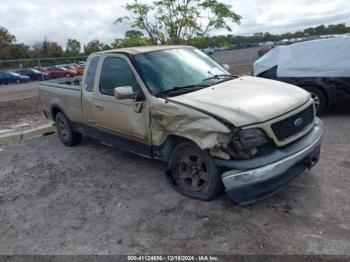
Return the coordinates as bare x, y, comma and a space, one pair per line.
317, 58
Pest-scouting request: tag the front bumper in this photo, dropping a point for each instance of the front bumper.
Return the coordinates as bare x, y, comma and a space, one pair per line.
268, 174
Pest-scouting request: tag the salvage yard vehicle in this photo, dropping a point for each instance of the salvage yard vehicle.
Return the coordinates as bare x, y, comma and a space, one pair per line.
174, 103
12, 78
80, 69
33, 74
321, 67
58, 71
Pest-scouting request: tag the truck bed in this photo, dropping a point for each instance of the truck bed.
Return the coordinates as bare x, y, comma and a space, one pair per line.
64, 93
66, 83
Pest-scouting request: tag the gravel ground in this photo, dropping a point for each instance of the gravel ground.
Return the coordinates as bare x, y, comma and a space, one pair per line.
93, 199
18, 91
20, 114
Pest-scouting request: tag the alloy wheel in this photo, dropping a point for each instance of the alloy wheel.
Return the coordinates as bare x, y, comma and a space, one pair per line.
63, 129
193, 172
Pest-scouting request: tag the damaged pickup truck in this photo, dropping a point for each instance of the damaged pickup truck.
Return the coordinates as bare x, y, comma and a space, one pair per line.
248, 135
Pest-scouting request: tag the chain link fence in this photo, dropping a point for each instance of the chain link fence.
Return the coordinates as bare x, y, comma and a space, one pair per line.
9, 65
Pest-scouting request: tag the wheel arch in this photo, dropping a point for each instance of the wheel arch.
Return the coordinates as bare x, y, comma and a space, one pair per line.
164, 151
321, 88
55, 109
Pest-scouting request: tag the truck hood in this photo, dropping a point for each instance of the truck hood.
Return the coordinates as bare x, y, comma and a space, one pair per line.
245, 100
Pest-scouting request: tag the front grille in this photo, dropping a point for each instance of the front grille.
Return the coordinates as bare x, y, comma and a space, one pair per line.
293, 125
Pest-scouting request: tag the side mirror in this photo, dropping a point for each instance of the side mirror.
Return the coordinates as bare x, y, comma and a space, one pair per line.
123, 92
226, 66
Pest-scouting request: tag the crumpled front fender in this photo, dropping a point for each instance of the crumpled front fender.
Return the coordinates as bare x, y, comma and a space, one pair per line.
173, 119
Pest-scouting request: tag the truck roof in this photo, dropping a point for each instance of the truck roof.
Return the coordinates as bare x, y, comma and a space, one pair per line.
142, 49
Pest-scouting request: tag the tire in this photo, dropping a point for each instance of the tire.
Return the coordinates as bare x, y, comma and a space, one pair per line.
65, 132
192, 172
18, 81
319, 98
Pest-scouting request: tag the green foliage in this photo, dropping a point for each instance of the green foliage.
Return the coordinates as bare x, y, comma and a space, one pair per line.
6, 38
133, 34
15, 51
73, 47
172, 21
8, 47
47, 49
95, 46
188, 35
229, 40
219, 16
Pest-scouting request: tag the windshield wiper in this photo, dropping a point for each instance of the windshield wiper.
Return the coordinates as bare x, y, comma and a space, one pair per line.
178, 88
218, 77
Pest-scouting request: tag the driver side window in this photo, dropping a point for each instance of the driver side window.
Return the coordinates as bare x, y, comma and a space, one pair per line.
116, 72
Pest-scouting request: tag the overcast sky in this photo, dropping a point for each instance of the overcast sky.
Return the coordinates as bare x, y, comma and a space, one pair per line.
58, 20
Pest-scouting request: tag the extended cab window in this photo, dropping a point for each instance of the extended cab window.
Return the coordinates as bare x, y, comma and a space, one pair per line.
116, 72
90, 74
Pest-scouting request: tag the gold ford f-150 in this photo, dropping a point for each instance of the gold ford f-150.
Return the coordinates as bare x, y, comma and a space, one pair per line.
248, 135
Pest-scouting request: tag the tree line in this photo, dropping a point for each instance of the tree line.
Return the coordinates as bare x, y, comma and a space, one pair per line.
10, 49
186, 22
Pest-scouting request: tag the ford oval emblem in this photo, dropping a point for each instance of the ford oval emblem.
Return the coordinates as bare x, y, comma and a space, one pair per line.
299, 121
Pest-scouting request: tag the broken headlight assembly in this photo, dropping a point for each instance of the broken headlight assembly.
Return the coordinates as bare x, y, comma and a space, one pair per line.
247, 142
252, 138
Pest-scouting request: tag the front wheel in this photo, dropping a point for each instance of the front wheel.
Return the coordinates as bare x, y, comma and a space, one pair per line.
65, 132
193, 173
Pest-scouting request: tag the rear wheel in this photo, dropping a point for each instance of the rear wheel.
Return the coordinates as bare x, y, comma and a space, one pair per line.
193, 172
65, 132
319, 98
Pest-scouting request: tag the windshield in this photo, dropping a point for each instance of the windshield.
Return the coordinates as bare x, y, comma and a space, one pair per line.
166, 69
14, 74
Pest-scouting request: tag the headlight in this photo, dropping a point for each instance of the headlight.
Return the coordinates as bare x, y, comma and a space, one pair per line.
252, 138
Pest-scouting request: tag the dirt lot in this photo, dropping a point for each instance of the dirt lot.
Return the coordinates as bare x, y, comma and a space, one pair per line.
14, 92
20, 114
92, 199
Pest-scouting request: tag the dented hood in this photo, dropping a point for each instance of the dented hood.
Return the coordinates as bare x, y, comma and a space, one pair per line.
245, 100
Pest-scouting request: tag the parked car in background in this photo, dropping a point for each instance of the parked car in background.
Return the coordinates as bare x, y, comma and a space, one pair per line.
321, 67
33, 74
12, 78
72, 68
264, 50
59, 71
39, 68
75, 65
69, 67
240, 46
80, 69
209, 50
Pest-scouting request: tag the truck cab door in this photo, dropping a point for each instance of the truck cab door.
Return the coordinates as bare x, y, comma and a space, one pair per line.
88, 90
123, 123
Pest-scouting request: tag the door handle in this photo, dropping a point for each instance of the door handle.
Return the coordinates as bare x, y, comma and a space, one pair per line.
98, 107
